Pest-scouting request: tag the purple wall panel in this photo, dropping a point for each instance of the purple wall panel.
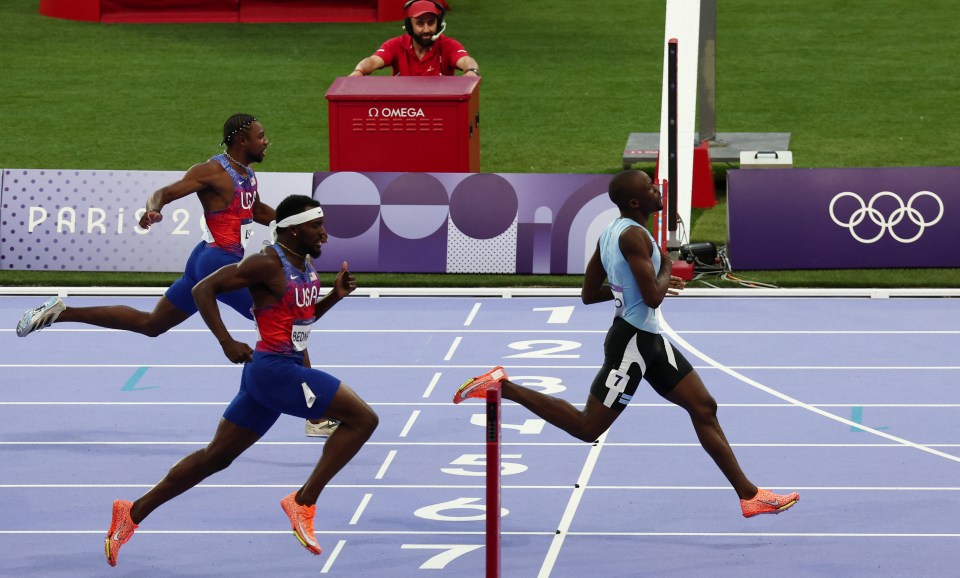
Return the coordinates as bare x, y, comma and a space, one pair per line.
482, 223
75, 220
479, 223
843, 218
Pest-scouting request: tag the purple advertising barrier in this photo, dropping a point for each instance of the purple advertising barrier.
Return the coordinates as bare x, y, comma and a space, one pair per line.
73, 220
843, 218
462, 222
86, 220
82, 220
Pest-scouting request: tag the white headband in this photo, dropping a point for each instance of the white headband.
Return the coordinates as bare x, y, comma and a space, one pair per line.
298, 219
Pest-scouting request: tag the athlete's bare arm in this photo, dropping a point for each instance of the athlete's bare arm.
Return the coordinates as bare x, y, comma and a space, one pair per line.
595, 289
208, 180
343, 285
637, 247
262, 273
263, 213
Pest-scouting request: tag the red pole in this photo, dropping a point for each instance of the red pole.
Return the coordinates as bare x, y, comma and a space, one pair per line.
493, 482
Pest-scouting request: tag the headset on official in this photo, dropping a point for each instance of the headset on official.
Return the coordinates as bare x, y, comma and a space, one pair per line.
441, 25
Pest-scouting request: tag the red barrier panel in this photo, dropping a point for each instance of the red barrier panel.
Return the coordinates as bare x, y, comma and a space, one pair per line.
320, 10
169, 10
71, 9
224, 10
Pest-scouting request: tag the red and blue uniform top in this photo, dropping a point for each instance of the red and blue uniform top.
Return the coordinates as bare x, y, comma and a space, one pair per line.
231, 228
283, 328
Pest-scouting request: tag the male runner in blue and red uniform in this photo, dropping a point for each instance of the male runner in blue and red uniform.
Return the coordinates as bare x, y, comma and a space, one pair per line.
286, 299
227, 189
627, 268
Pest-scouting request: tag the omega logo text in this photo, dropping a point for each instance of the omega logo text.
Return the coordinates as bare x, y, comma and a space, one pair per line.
399, 112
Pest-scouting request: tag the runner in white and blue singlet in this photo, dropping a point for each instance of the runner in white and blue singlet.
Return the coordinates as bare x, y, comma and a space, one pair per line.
628, 268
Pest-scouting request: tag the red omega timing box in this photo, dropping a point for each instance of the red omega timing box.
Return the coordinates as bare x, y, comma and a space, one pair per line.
405, 124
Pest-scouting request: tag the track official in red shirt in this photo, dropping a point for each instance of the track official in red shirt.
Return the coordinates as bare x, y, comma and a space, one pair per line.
424, 50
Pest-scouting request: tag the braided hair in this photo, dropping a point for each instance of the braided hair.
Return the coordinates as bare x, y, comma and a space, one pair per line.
235, 124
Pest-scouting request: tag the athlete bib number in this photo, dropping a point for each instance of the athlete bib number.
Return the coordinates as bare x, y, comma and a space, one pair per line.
246, 232
618, 299
299, 335
617, 386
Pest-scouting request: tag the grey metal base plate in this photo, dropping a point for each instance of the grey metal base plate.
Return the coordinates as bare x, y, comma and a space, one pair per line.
642, 147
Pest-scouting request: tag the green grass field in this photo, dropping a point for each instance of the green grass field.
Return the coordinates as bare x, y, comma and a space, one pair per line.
856, 83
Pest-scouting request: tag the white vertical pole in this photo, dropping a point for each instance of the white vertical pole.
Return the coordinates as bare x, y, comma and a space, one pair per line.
682, 23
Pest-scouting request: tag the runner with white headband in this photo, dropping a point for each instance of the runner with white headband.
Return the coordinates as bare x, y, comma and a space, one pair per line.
298, 219
315, 428
276, 380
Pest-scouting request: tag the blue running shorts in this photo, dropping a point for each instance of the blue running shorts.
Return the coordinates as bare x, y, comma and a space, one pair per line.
275, 384
206, 259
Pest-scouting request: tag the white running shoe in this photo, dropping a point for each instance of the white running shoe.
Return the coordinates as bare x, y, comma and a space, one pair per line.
40, 317
322, 429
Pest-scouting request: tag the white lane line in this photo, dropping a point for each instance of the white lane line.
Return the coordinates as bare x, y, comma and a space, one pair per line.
456, 342
60, 531
386, 465
409, 425
559, 488
473, 314
557, 543
706, 358
360, 509
447, 403
888, 446
453, 348
333, 556
433, 384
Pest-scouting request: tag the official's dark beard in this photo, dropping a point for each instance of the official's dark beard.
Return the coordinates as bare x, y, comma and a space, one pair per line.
425, 42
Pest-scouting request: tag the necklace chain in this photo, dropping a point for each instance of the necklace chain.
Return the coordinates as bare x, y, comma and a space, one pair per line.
289, 250
246, 167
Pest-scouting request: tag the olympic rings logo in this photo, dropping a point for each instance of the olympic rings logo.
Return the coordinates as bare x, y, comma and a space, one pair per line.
886, 223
